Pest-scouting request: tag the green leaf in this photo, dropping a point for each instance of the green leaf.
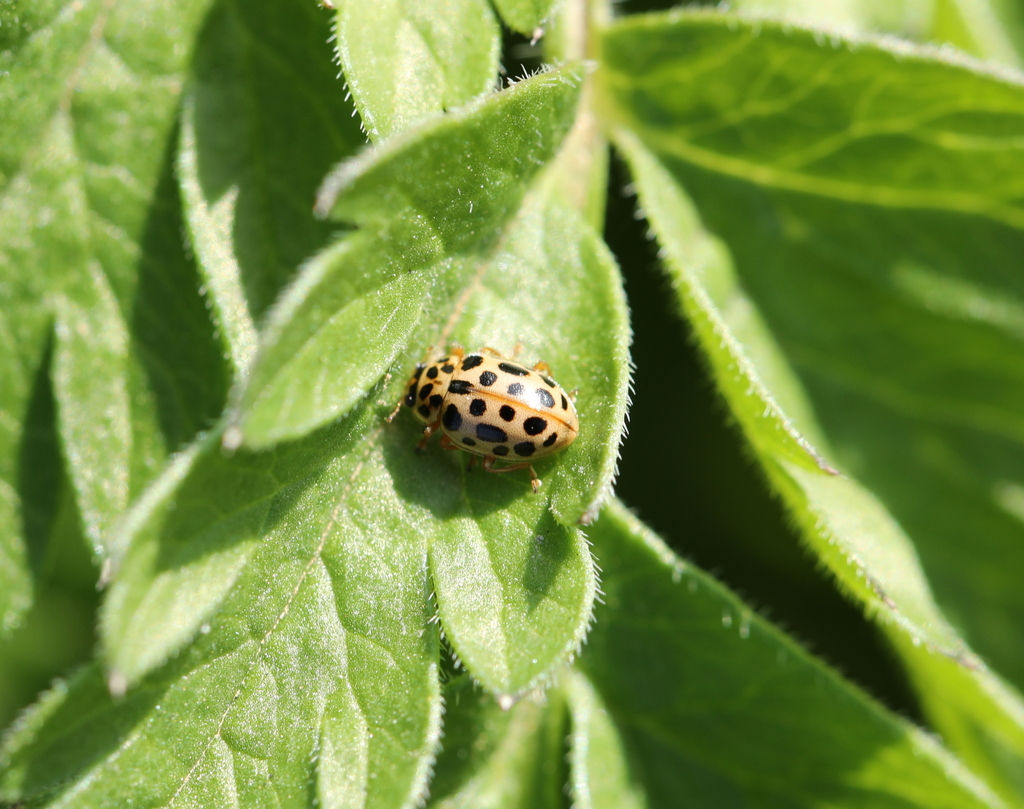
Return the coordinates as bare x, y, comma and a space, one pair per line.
500, 758
85, 243
95, 420
270, 711
602, 774
446, 188
57, 633
405, 60
248, 180
515, 587
332, 336
15, 578
454, 180
991, 30
984, 29
514, 591
300, 589
526, 16
535, 575
864, 285
730, 711
556, 288
31, 461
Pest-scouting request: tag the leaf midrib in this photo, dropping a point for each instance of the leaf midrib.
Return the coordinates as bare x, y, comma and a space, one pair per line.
840, 190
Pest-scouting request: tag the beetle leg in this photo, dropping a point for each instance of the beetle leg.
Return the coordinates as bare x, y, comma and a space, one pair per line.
428, 431
490, 467
391, 416
447, 443
542, 368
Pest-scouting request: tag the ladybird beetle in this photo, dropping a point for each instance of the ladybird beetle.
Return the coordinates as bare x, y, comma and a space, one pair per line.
492, 407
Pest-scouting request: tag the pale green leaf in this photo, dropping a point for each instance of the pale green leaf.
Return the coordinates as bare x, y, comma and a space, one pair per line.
730, 711
453, 181
405, 60
147, 615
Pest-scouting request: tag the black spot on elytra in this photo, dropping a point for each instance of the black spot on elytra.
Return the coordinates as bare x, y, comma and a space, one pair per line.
469, 442
515, 389
500, 450
488, 432
425, 391
436, 399
424, 411
459, 386
471, 362
447, 368
452, 418
548, 381
432, 372
551, 439
507, 413
478, 407
509, 368
565, 404
535, 425
524, 449
546, 398
488, 378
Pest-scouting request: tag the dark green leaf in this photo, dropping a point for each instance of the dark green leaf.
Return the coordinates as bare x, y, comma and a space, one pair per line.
249, 180
57, 632
602, 774
500, 758
405, 60
527, 16
729, 711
